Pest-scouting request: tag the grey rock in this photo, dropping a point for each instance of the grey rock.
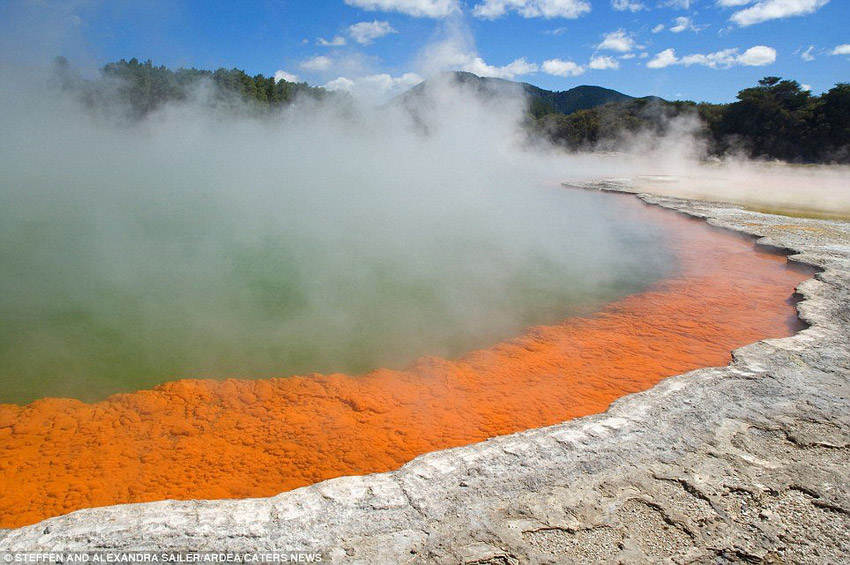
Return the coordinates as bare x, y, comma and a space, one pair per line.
747, 462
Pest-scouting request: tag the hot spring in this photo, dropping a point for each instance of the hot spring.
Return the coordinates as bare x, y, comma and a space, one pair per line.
106, 296
198, 245
207, 305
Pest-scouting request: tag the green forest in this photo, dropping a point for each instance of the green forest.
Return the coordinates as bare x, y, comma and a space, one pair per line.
140, 88
776, 119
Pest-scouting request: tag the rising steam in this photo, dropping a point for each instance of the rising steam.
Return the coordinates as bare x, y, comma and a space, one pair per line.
204, 241
330, 237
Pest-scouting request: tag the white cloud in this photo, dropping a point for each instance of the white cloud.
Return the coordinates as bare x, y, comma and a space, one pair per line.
316, 64
617, 41
682, 24
457, 52
492, 9
337, 41
365, 33
560, 68
843, 49
658, 28
456, 49
663, 59
375, 87
416, 8
628, 56
476, 65
340, 83
679, 4
807, 54
627, 5
757, 56
280, 74
732, 3
407, 80
601, 62
556, 31
775, 9
806, 87
719, 59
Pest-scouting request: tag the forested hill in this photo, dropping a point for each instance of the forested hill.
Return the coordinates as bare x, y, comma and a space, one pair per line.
541, 102
144, 87
775, 119
572, 100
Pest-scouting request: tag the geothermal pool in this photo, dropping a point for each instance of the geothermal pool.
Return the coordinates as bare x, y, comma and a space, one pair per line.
708, 292
112, 297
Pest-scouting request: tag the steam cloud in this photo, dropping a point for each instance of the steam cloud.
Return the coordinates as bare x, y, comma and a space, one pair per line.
329, 237
774, 187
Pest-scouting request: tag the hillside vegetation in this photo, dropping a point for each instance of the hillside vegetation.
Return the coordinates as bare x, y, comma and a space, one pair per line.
141, 88
776, 119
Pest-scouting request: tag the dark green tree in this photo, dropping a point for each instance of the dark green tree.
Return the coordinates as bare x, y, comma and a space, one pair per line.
143, 88
832, 119
773, 119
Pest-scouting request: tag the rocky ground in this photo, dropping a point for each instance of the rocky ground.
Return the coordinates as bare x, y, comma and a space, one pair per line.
747, 462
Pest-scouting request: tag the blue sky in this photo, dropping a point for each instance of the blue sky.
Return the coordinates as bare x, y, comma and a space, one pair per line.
694, 49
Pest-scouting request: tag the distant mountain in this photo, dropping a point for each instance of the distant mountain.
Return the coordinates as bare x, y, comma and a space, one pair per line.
581, 97
541, 101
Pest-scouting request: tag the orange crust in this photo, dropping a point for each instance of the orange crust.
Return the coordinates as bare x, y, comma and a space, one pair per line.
205, 439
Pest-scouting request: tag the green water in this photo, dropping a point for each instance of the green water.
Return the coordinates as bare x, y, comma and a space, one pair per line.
89, 309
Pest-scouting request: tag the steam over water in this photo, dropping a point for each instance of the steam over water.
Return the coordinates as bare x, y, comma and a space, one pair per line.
200, 244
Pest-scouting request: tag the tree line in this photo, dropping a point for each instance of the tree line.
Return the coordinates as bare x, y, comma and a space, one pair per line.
142, 87
777, 119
